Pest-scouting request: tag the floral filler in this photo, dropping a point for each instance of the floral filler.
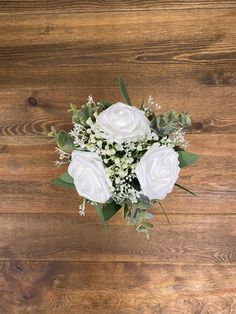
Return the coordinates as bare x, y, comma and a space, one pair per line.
123, 159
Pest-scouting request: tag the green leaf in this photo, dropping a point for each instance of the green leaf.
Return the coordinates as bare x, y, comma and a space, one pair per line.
143, 202
185, 189
125, 210
142, 105
148, 215
63, 184
124, 91
75, 116
65, 141
66, 178
106, 104
153, 123
187, 158
110, 209
84, 113
147, 225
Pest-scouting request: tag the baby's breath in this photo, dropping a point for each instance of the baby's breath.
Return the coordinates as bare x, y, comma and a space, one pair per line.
121, 159
63, 159
178, 138
82, 208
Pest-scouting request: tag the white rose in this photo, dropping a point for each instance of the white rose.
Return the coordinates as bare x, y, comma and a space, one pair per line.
89, 176
121, 123
158, 171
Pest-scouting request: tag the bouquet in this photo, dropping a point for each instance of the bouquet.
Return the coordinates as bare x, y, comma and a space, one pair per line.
123, 159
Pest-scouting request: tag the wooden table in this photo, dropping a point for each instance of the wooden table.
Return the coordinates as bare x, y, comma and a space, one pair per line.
53, 53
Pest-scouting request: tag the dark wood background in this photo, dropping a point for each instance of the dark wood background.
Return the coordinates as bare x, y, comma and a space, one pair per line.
53, 53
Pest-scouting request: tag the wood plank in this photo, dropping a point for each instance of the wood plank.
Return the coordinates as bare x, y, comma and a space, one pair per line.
32, 110
77, 287
192, 239
129, 37
71, 40
185, 60
26, 171
43, 6
160, 75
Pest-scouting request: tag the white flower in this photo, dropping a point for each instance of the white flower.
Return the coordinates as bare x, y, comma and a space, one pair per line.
89, 176
121, 123
158, 171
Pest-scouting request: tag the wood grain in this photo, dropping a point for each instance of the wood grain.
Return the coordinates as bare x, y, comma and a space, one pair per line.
31, 111
53, 53
192, 239
77, 287
83, 6
51, 60
51, 42
131, 37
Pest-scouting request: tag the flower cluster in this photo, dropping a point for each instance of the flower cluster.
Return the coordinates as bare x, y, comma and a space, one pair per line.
123, 157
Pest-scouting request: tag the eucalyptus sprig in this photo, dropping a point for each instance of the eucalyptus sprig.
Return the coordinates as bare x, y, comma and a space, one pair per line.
118, 160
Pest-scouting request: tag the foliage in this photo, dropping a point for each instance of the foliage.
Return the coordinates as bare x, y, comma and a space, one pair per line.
169, 122
120, 160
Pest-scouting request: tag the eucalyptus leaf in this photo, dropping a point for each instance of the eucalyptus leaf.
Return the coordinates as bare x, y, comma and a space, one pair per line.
148, 215
143, 202
145, 228
106, 104
123, 91
147, 225
65, 141
110, 209
169, 122
84, 113
75, 117
153, 123
63, 184
66, 178
187, 158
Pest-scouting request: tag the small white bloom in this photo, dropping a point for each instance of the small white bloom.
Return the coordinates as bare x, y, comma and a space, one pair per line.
82, 208
158, 171
117, 161
120, 123
158, 107
90, 100
89, 121
89, 176
99, 144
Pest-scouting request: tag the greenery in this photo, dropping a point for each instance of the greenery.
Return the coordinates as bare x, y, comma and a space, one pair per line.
187, 158
164, 127
123, 91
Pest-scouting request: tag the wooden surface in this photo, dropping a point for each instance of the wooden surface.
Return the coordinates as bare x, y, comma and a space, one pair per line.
53, 53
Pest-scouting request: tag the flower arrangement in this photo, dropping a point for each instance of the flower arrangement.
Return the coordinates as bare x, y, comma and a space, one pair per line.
122, 158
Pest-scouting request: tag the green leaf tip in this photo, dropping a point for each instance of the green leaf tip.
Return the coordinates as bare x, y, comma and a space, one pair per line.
123, 90
185, 189
63, 184
64, 181
110, 209
187, 158
65, 141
